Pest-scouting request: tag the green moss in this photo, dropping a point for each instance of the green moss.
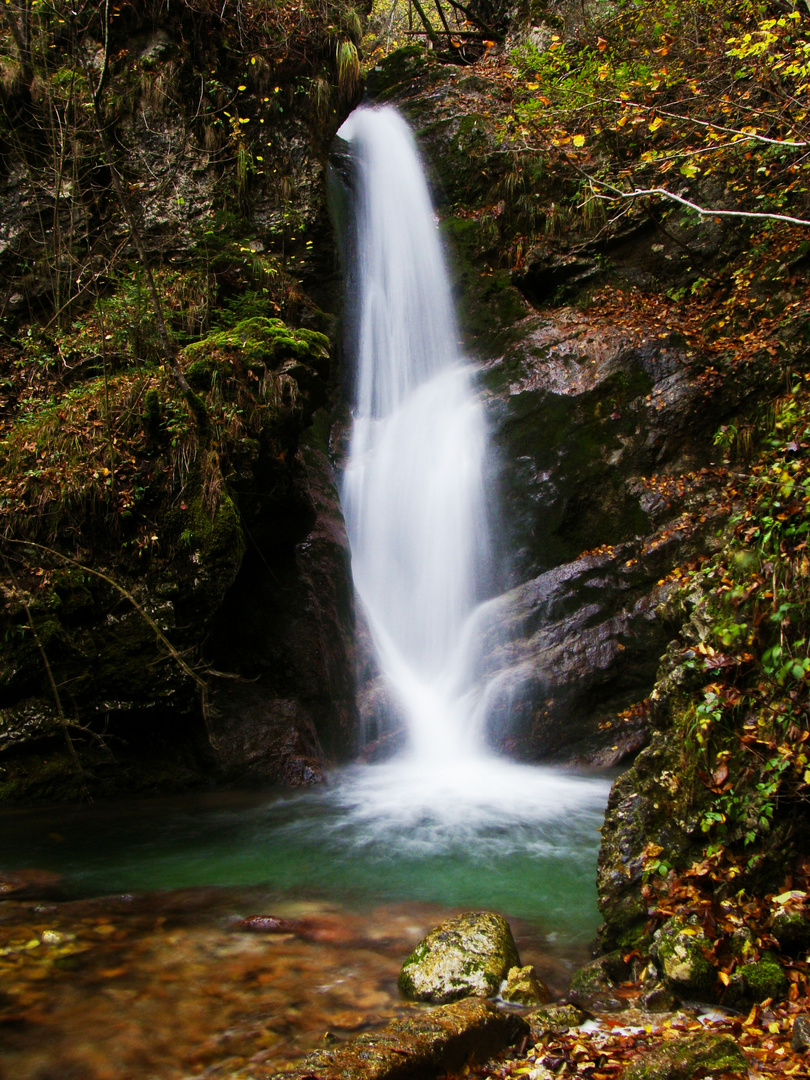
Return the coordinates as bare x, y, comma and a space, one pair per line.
689, 1057
259, 342
762, 979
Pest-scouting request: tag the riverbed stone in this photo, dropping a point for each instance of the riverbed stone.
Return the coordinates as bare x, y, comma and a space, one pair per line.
419, 1045
689, 1056
470, 954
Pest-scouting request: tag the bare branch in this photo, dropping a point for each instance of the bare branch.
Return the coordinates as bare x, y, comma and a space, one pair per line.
702, 210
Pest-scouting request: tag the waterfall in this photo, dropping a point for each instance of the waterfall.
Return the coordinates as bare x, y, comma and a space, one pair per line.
413, 491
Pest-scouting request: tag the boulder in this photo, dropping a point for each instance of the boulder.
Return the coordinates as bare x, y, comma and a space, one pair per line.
471, 954
593, 988
554, 1020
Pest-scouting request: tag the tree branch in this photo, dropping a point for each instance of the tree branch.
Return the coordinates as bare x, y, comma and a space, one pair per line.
702, 210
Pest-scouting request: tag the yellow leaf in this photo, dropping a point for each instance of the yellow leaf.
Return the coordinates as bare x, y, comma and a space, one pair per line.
656, 124
773, 1028
724, 979
579, 140
241, 87
622, 120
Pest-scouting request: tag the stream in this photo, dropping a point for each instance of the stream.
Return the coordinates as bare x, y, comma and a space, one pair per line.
124, 949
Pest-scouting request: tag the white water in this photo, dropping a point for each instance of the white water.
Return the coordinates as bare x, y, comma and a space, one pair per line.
413, 492
414, 499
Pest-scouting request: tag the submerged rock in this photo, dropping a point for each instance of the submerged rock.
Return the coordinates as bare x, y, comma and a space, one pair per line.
471, 954
421, 1045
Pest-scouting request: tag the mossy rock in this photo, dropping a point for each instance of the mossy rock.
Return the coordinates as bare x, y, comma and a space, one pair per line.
522, 987
593, 988
554, 1020
259, 343
688, 1058
471, 954
678, 948
792, 930
401, 66
764, 978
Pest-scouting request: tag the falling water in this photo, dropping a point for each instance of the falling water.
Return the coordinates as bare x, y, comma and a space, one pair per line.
414, 499
413, 492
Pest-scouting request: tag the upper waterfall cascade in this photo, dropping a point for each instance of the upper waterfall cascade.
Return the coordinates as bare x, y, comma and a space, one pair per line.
413, 492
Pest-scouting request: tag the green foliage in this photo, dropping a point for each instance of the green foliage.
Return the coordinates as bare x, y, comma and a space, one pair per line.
745, 736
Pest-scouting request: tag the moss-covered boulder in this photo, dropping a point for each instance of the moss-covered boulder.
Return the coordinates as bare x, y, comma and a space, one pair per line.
471, 954
689, 1057
680, 950
761, 979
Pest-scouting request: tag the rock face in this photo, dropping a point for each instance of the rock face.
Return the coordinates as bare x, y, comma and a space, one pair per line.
471, 954
185, 531
424, 1044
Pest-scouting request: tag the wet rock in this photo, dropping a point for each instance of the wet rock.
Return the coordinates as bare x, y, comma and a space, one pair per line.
470, 954
418, 1046
688, 1057
554, 1020
523, 987
594, 989
791, 928
658, 999
764, 978
679, 949
800, 1041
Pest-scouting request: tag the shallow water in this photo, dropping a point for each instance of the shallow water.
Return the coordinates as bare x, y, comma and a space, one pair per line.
160, 977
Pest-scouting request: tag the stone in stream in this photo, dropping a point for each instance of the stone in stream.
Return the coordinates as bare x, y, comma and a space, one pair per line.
417, 1046
470, 954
